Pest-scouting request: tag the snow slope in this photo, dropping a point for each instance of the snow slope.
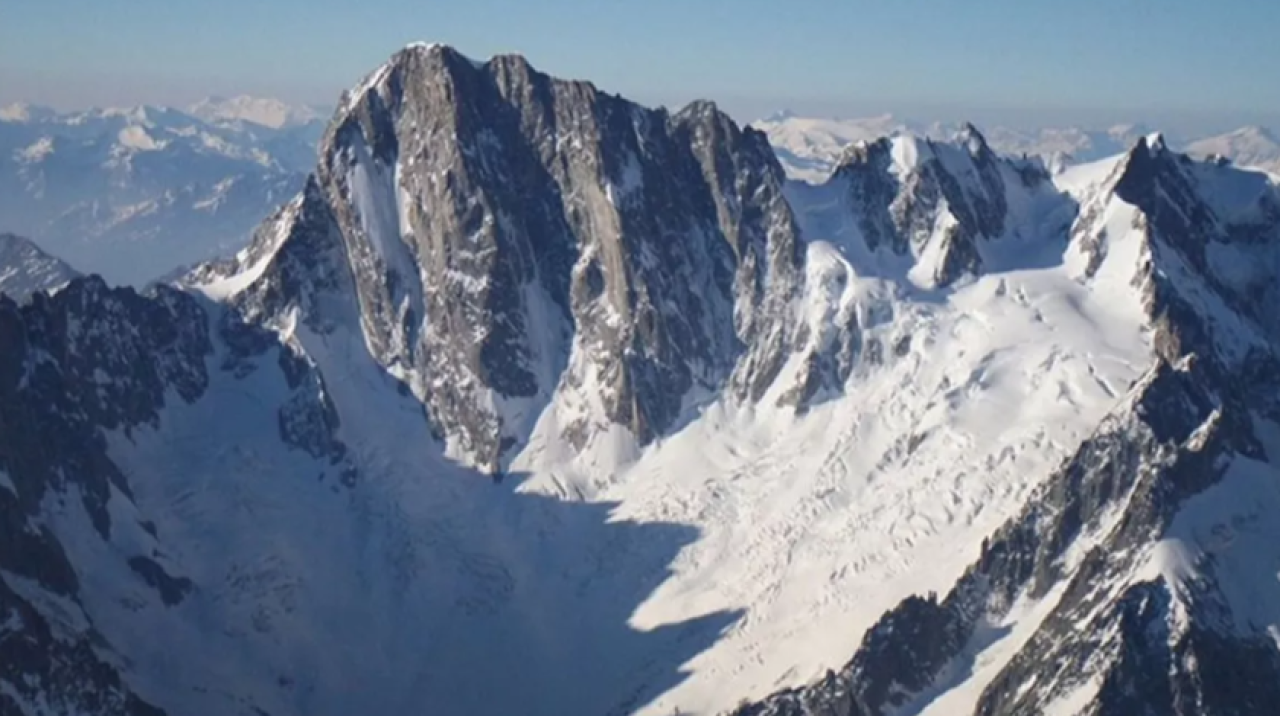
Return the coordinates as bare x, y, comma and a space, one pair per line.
426, 582
777, 526
1119, 585
834, 517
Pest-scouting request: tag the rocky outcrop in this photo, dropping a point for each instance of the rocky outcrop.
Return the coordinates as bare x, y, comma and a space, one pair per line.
47, 671
914, 196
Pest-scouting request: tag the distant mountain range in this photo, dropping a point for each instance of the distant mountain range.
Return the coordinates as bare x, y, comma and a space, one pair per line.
132, 193
25, 269
266, 112
810, 148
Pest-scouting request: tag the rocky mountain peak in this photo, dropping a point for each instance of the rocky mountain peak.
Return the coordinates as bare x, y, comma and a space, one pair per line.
22, 112
512, 250
935, 201
1144, 166
972, 139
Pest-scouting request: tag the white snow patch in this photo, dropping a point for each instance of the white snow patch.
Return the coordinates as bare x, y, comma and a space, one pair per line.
906, 153
136, 137
929, 261
420, 45
64, 615
217, 197
36, 151
380, 205
1080, 180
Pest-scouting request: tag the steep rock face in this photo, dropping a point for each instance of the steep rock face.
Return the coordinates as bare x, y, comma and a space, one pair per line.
517, 242
91, 357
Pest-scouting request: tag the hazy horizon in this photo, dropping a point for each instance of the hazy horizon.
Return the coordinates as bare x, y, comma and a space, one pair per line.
1091, 62
743, 109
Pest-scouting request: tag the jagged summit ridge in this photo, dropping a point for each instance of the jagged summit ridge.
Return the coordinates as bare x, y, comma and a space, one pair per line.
946, 208
1110, 591
519, 243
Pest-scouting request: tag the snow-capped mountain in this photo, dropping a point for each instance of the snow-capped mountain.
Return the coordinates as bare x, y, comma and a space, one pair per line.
133, 193
607, 296
537, 401
24, 112
810, 148
1067, 145
1247, 147
262, 111
25, 268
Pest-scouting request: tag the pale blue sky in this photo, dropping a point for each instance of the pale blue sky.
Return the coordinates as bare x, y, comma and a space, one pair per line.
1131, 59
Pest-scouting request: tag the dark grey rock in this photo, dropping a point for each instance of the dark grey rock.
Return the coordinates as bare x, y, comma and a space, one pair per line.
60, 673
172, 589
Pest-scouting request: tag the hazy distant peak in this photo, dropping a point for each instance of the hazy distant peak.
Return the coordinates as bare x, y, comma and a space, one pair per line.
268, 112
1250, 146
24, 112
26, 268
